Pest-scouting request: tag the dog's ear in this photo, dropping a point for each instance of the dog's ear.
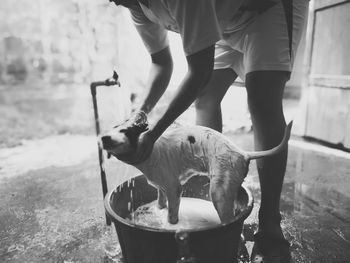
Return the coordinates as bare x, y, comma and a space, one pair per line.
142, 127
136, 125
133, 133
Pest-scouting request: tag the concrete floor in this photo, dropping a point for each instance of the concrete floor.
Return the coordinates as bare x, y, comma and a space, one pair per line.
51, 207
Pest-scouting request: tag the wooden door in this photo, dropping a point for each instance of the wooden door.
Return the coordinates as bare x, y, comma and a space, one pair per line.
327, 78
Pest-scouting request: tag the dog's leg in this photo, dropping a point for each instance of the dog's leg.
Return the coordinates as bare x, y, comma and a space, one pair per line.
161, 199
222, 196
174, 195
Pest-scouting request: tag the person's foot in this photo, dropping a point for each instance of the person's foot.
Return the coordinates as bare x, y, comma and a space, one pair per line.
269, 249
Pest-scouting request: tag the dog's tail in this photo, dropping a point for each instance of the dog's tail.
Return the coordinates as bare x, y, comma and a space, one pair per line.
275, 150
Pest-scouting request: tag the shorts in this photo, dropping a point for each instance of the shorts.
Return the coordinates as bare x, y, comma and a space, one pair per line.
262, 43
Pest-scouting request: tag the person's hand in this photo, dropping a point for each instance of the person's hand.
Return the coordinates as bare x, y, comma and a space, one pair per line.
143, 150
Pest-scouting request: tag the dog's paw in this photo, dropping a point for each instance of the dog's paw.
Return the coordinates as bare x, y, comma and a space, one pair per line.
161, 204
173, 219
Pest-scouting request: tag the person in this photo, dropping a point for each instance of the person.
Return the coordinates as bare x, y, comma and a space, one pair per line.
224, 39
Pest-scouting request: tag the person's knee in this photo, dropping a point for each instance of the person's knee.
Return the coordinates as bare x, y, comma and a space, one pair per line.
265, 93
210, 99
262, 106
206, 103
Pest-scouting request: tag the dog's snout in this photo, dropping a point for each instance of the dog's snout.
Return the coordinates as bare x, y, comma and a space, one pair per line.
106, 140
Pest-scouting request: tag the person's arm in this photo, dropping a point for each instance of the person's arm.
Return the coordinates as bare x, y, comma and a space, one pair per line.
159, 77
200, 68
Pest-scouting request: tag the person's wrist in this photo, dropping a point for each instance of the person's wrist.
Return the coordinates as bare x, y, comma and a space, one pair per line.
141, 113
153, 133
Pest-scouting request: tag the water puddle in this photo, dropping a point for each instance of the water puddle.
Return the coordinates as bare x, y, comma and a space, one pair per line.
316, 205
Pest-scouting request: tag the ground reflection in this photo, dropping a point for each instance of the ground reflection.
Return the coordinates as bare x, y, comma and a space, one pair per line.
315, 206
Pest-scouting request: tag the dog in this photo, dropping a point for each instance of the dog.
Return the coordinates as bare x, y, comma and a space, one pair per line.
185, 151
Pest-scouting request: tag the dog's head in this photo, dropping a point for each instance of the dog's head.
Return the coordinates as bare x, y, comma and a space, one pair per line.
122, 139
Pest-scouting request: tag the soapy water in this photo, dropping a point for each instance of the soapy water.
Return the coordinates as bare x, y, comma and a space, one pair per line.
194, 213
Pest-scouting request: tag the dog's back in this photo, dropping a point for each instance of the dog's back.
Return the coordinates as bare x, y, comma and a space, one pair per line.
193, 150
185, 151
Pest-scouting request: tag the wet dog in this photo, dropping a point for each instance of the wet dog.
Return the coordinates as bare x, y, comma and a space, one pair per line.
186, 151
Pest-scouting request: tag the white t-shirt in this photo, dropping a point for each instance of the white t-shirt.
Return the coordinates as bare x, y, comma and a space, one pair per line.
200, 23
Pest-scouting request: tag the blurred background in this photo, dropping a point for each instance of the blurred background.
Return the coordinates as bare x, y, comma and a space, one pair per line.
51, 51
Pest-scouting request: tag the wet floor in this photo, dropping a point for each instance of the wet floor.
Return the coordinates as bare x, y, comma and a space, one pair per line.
315, 204
51, 207
55, 214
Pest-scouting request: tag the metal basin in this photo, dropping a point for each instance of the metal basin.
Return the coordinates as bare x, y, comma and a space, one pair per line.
142, 244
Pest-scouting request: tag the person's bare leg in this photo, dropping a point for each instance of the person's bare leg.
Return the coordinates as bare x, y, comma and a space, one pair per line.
208, 114
265, 93
208, 108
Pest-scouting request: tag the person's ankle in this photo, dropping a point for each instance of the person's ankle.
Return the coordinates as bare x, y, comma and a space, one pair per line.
270, 224
272, 231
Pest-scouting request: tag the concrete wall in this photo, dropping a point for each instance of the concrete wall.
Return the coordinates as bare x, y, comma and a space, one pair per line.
57, 41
